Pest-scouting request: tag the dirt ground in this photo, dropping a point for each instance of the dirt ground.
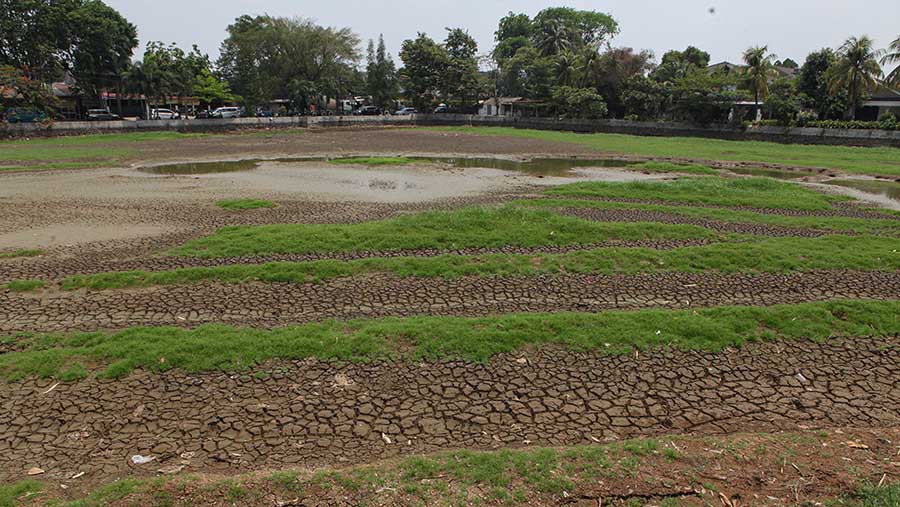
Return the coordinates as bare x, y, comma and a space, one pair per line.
314, 414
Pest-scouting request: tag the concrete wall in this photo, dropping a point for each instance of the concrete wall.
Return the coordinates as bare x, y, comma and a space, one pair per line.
775, 134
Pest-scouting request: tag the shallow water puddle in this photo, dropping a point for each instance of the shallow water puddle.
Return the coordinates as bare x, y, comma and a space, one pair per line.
192, 168
888, 189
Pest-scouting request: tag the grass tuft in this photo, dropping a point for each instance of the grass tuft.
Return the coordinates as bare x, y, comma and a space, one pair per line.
243, 204
20, 253
11, 495
670, 167
24, 285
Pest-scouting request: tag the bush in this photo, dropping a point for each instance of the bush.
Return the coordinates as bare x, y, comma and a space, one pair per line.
579, 102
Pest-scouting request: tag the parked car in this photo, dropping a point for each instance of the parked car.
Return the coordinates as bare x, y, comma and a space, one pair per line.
226, 112
265, 113
367, 111
406, 110
203, 114
101, 115
22, 115
441, 110
164, 114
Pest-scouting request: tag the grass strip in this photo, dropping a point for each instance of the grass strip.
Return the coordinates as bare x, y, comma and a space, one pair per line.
24, 285
864, 253
221, 347
466, 228
11, 495
754, 192
670, 167
857, 225
244, 204
371, 161
852, 159
20, 253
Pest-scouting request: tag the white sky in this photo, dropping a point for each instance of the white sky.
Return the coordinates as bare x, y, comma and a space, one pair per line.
791, 28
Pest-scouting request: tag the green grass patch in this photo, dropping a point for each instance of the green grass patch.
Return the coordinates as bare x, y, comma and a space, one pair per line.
753, 192
227, 348
882, 161
871, 496
371, 161
466, 228
865, 253
24, 285
671, 167
20, 253
72, 152
858, 225
242, 204
12, 494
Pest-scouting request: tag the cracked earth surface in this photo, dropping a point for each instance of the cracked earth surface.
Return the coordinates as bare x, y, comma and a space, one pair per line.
381, 295
314, 412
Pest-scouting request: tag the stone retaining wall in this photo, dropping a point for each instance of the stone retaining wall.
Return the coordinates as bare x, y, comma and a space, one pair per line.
774, 134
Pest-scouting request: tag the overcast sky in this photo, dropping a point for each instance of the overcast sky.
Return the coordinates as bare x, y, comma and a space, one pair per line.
791, 28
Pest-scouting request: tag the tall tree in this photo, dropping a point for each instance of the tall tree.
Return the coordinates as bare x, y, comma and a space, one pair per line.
424, 66
572, 28
514, 32
381, 75
461, 75
856, 71
891, 57
102, 44
758, 72
812, 85
265, 58
679, 64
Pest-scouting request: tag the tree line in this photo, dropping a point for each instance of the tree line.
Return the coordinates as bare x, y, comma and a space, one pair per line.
560, 61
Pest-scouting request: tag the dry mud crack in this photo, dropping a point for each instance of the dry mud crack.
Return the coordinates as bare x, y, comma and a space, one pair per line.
381, 295
313, 412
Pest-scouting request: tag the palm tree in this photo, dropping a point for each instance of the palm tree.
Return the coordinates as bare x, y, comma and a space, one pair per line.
758, 72
856, 71
892, 57
566, 68
554, 38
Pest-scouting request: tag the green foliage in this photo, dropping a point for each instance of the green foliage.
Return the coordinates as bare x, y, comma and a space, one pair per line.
24, 285
381, 75
856, 71
812, 84
679, 64
103, 44
783, 103
219, 347
242, 204
758, 72
266, 57
891, 57
881, 161
578, 102
703, 98
672, 167
643, 98
212, 90
465, 228
425, 64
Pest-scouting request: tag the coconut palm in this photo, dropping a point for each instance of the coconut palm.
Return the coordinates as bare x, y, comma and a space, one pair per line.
566, 68
758, 72
554, 38
892, 57
856, 71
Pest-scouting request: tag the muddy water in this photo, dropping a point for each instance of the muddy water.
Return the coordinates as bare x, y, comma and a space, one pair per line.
560, 167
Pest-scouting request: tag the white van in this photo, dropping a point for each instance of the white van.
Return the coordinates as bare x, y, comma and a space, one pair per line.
226, 112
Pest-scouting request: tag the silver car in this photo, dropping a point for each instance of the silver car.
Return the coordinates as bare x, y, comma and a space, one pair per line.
226, 112
164, 114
